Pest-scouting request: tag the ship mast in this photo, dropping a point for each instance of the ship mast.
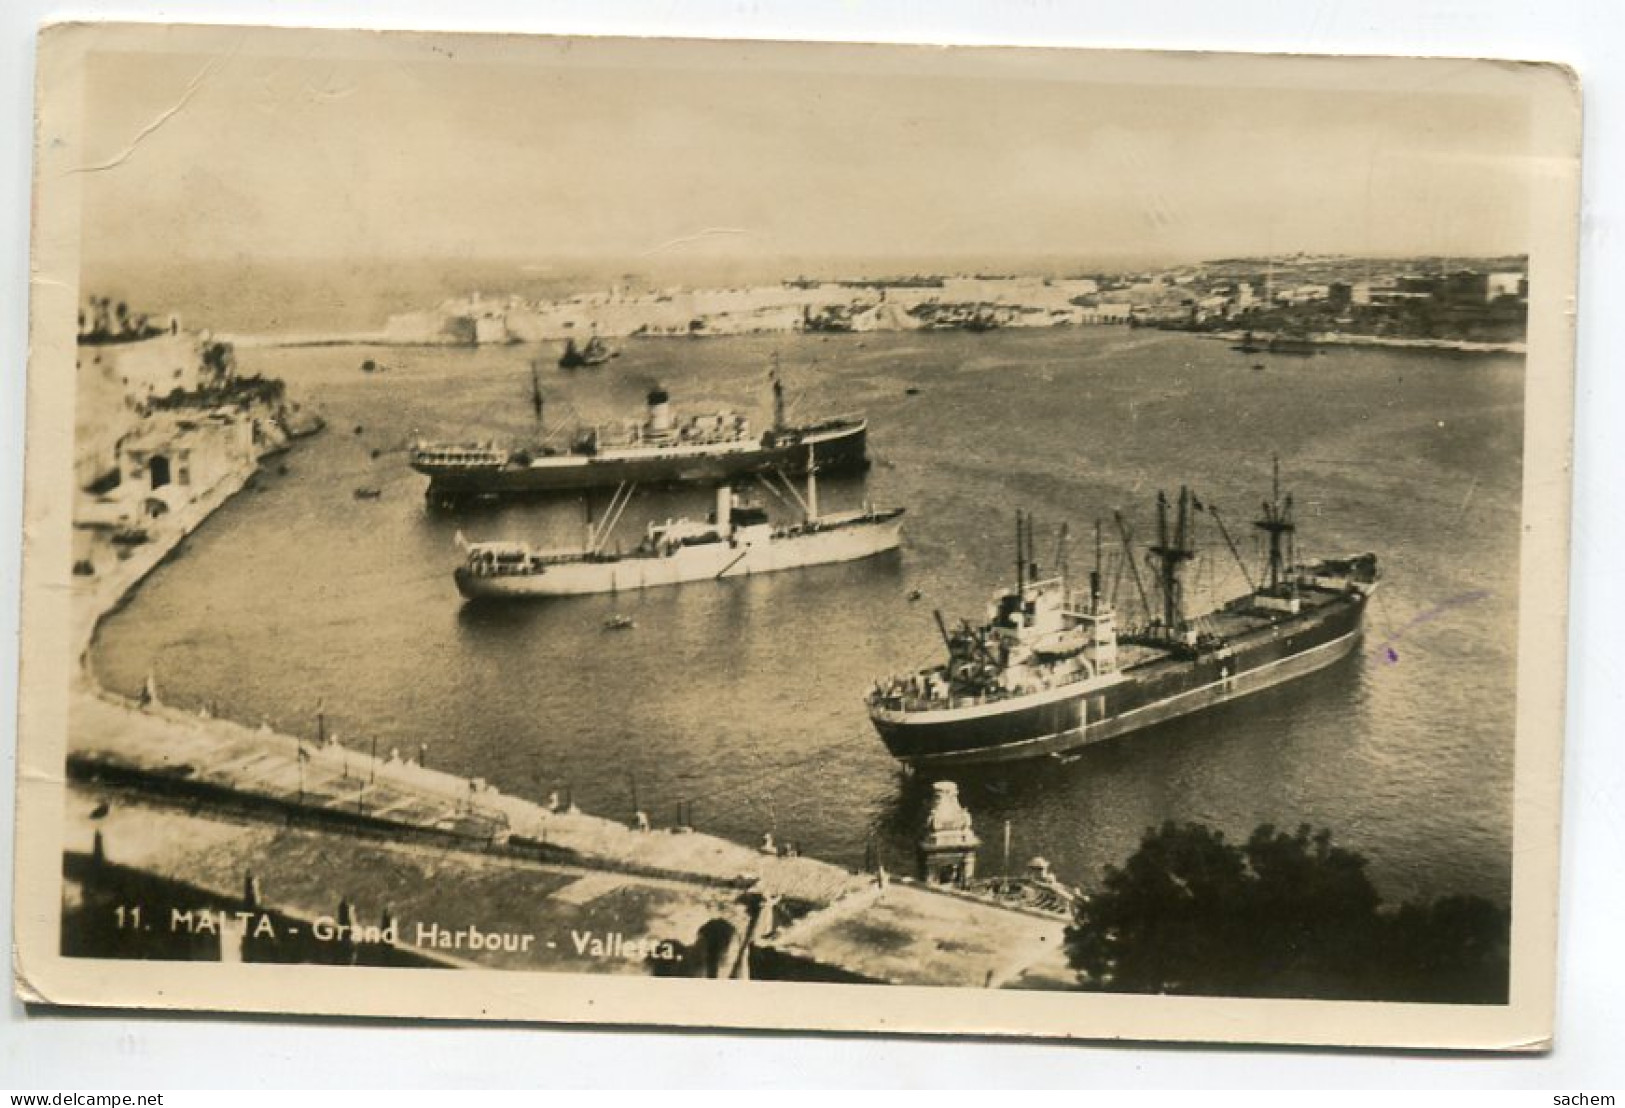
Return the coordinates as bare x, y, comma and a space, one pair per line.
812, 483
1032, 551
1094, 576
778, 396
1021, 558
1062, 562
1172, 550
1277, 523
536, 391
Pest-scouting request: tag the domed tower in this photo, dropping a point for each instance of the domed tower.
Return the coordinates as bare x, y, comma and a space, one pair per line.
947, 852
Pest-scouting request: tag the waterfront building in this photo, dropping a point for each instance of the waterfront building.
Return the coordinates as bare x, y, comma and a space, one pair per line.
123, 363
1106, 312
171, 460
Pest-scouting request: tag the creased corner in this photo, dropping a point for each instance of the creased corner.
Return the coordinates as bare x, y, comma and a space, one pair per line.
22, 984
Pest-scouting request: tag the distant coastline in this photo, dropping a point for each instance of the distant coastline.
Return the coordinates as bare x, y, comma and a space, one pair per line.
1332, 338
1337, 338
1300, 301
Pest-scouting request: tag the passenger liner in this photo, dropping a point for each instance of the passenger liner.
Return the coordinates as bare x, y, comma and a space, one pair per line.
658, 449
1049, 671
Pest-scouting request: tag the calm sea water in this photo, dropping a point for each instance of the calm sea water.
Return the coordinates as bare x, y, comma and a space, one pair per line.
745, 697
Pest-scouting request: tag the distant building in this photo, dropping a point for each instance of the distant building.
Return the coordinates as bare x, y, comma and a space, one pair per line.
491, 329
1110, 312
171, 460
1402, 289
1147, 293
1465, 287
123, 365
118, 370
1305, 294
1498, 285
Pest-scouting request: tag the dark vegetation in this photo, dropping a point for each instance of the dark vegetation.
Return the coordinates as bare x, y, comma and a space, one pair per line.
240, 392
106, 322
1503, 320
1280, 916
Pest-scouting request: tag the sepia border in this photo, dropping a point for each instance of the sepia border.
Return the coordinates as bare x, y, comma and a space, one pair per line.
48, 653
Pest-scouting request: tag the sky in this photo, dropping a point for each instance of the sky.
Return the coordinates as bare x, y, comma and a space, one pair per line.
418, 147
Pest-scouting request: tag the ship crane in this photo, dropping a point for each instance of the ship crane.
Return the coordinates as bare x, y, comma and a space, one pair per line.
1133, 566
807, 503
1213, 510
597, 537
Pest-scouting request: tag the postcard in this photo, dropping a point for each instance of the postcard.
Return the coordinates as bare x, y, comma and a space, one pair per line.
797, 536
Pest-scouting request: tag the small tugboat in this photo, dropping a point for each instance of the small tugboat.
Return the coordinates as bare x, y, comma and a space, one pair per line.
738, 540
1049, 670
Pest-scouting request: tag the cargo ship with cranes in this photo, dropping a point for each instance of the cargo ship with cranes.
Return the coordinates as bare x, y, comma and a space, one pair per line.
657, 449
737, 540
1050, 670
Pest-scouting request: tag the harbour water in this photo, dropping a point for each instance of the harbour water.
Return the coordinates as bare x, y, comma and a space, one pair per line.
744, 698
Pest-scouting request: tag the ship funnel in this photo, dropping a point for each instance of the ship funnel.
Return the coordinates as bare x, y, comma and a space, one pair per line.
725, 507
659, 409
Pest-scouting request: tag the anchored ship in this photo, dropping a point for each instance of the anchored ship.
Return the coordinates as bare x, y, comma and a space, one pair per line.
593, 353
656, 449
737, 540
1049, 671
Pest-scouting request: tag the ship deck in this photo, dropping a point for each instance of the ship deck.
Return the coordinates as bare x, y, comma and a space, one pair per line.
1232, 622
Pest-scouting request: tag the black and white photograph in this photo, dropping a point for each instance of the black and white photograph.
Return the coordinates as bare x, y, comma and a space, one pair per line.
780, 535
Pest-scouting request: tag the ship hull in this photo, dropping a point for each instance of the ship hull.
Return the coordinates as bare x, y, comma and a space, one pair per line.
1141, 697
710, 561
839, 450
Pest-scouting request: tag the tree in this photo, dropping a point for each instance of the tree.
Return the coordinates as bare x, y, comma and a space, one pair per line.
1163, 922
1283, 916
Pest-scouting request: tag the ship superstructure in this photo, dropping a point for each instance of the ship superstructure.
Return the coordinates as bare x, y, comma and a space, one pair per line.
1050, 669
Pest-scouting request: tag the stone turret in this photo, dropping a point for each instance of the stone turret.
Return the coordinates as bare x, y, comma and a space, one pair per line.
947, 851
